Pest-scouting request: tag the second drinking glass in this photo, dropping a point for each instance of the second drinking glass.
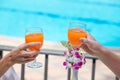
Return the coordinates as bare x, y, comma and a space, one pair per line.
75, 32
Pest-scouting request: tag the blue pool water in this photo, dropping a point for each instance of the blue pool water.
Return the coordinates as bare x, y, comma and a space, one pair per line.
101, 16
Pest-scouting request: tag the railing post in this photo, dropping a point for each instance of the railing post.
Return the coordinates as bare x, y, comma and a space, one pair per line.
69, 74
22, 71
93, 69
1, 54
116, 78
46, 67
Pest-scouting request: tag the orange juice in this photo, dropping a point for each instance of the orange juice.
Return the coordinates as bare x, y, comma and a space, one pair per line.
74, 36
34, 37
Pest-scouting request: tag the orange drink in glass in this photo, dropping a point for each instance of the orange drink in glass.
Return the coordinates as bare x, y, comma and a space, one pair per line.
34, 37
75, 32
34, 34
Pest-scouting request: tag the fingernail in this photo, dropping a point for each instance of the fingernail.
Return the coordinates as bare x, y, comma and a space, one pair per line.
81, 40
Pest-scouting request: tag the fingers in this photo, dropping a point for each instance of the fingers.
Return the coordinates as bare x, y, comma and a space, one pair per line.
30, 54
27, 45
86, 48
26, 60
84, 40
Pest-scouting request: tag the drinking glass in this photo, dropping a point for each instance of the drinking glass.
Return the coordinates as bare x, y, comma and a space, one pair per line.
34, 34
75, 32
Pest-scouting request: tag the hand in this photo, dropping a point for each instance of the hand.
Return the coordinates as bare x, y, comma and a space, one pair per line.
90, 45
20, 55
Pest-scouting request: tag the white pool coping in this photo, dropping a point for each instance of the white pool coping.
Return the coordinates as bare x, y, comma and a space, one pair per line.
13, 41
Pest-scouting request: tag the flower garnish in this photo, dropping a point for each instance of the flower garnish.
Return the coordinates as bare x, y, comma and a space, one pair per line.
74, 58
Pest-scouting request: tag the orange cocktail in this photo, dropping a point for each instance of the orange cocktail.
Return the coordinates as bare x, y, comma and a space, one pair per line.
74, 35
34, 34
34, 37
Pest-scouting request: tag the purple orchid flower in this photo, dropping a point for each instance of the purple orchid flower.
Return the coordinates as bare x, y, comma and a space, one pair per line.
77, 57
71, 51
65, 63
65, 52
78, 65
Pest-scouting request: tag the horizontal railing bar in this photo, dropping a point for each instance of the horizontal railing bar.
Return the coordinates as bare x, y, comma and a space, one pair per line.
44, 51
6, 48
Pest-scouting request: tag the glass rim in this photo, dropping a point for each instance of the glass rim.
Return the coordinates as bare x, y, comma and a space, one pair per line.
81, 24
29, 30
33, 27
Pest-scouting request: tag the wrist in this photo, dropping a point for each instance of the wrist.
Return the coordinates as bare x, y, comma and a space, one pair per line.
8, 60
102, 51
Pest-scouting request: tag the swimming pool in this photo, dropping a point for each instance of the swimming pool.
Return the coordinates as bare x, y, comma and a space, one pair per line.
102, 18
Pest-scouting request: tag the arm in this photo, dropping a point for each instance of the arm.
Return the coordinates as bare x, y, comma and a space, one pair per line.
5, 64
110, 59
18, 55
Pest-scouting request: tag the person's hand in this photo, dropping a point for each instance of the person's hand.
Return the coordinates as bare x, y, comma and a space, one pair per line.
21, 55
90, 45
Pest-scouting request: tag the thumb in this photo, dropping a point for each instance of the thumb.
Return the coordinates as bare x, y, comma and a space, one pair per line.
27, 45
85, 41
